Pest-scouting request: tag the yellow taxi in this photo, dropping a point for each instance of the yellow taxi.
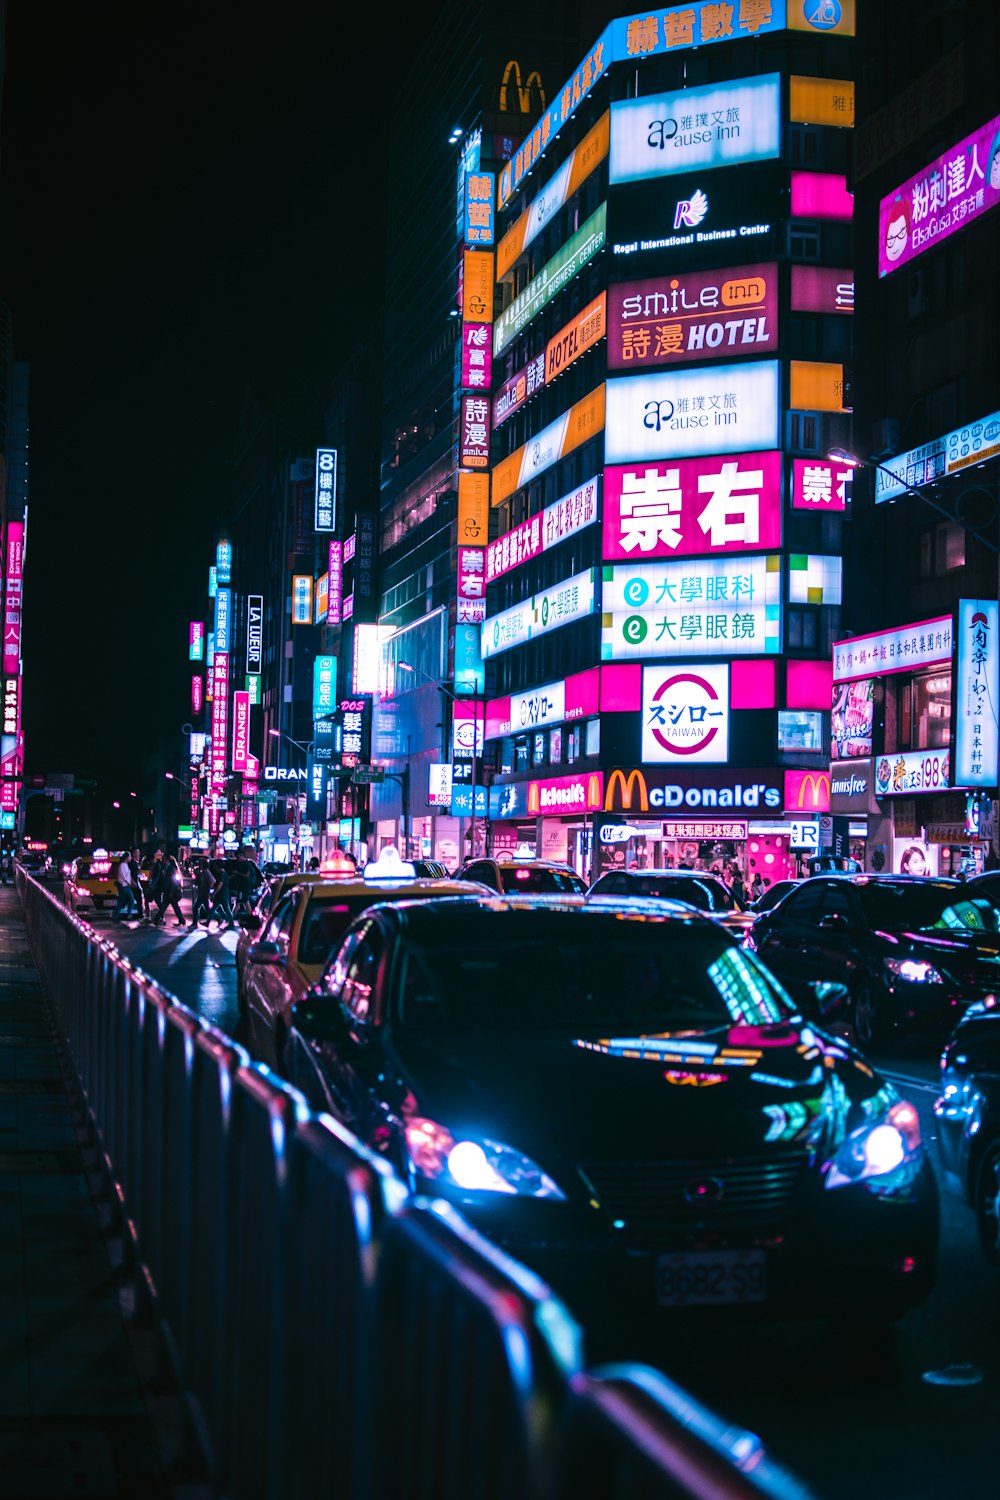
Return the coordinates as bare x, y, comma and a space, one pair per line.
90, 880
303, 926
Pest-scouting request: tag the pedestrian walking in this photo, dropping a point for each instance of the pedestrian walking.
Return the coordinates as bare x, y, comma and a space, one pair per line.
202, 893
241, 887
736, 884
125, 906
170, 891
134, 869
220, 903
154, 884
756, 887
6, 870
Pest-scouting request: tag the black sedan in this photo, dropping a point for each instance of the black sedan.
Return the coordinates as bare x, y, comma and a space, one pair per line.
968, 1119
912, 952
625, 1100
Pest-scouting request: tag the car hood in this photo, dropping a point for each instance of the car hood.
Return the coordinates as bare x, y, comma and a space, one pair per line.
737, 1090
963, 954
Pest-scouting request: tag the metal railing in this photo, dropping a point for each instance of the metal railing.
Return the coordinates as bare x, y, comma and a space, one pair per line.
332, 1333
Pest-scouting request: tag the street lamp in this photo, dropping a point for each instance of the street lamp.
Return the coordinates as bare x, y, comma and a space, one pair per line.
842, 456
408, 667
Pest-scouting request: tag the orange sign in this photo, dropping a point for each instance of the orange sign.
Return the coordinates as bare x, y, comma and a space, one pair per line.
627, 786
815, 386
584, 158
477, 286
473, 509
821, 101
586, 330
582, 421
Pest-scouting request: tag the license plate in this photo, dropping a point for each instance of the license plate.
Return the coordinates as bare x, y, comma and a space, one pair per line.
710, 1278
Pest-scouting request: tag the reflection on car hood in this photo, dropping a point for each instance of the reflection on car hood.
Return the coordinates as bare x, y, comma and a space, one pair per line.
731, 1091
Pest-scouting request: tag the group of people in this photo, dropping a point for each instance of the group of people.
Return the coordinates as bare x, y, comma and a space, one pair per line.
213, 901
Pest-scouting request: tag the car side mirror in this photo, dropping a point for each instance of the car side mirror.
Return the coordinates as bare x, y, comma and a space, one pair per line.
319, 1019
264, 953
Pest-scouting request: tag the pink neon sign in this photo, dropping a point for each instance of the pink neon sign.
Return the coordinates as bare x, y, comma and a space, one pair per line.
336, 571
565, 516
196, 693
947, 194
12, 615
818, 485
691, 507
241, 729
822, 289
220, 720
693, 315
821, 195
477, 356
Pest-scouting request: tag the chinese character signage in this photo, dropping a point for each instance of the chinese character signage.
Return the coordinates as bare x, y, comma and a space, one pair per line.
324, 685
197, 690
572, 599
971, 444
949, 193
852, 719
902, 774
223, 600
321, 603
478, 226
302, 594
693, 506
241, 729
693, 315
565, 517
515, 391
685, 714
716, 607
977, 693
567, 262
13, 574
326, 489
477, 356
587, 329
556, 193
471, 608
224, 562
11, 706
474, 439
220, 720
365, 603
196, 641
819, 485
335, 572
255, 631
716, 125
681, 413
928, 643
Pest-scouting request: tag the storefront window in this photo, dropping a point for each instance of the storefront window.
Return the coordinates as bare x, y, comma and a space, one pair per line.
593, 736
538, 749
931, 709
573, 744
555, 746
521, 753
505, 766
800, 730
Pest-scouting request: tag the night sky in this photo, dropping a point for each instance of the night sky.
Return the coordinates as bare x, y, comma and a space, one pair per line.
184, 193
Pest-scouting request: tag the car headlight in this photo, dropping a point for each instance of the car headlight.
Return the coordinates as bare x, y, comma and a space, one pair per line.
481, 1166
880, 1148
912, 970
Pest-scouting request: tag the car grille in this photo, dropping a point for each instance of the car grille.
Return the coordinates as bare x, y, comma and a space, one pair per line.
654, 1198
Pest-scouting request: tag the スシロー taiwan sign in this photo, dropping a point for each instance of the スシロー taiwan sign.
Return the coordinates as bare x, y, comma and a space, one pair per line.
713, 607
685, 714
691, 506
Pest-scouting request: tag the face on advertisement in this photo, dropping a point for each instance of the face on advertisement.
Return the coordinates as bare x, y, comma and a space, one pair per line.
896, 234
914, 857
994, 172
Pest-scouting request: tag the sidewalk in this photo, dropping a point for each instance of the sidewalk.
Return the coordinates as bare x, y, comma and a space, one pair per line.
76, 1416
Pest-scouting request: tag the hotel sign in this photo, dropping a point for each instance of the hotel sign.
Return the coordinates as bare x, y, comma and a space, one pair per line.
693, 315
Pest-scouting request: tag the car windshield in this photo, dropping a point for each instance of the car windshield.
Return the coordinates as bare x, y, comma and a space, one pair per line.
706, 895
927, 906
536, 880
590, 977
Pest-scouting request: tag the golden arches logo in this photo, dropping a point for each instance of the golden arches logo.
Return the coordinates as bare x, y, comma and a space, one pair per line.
626, 785
818, 783
533, 797
533, 81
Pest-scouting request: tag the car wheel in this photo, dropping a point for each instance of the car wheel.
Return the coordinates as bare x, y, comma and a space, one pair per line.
867, 1016
988, 1202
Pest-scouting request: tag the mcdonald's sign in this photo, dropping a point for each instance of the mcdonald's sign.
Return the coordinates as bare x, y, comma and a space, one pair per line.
626, 786
657, 790
566, 794
807, 791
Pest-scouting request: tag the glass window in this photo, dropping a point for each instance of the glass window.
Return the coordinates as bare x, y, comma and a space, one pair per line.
931, 710
593, 736
538, 749
521, 753
555, 746
573, 744
800, 730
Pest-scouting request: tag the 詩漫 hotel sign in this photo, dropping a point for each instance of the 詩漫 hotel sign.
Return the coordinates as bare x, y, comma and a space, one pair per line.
651, 789
692, 315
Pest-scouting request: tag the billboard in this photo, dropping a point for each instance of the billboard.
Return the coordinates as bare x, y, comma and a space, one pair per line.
584, 420
255, 631
654, 789
582, 160
335, 571
564, 518
324, 697
471, 596
715, 125
928, 643
852, 719
196, 641
692, 315
956, 450
822, 289
677, 413
241, 729
573, 599
302, 597
708, 210
821, 101
904, 773
685, 714
223, 601
821, 195
818, 484
807, 791
474, 433
13, 578
720, 606
691, 506
568, 261
477, 356
515, 391
325, 516
477, 218
977, 693
960, 185
224, 562
473, 508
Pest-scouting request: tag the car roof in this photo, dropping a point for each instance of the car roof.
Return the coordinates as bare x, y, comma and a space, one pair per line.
638, 909
391, 889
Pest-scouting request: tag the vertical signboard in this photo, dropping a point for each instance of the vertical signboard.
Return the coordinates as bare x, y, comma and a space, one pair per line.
977, 693
255, 631
365, 598
222, 603
224, 561
326, 489
241, 730
474, 441
335, 574
196, 641
13, 580
196, 694
324, 685
220, 720
302, 593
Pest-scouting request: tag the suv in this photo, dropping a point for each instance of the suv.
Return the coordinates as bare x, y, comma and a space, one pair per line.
524, 876
700, 889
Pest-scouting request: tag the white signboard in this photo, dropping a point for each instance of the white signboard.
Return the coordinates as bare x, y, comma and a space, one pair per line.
903, 773
573, 599
544, 705
977, 693
904, 649
677, 413
804, 835
717, 125
719, 606
685, 714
